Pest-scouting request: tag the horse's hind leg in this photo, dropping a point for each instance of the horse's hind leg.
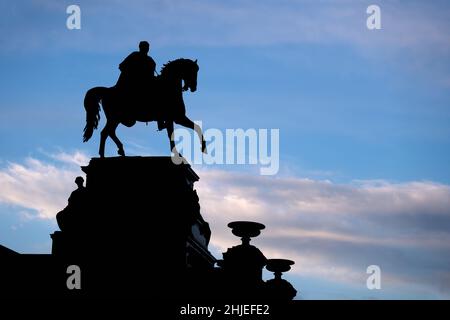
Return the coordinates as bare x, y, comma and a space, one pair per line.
110, 130
112, 134
103, 136
188, 123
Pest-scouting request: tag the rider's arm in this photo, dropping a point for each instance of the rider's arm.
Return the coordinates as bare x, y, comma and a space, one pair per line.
152, 65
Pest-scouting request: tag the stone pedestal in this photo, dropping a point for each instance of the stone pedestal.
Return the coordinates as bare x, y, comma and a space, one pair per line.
138, 228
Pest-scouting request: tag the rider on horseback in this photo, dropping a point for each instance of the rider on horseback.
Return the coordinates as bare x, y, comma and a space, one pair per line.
137, 75
137, 70
165, 103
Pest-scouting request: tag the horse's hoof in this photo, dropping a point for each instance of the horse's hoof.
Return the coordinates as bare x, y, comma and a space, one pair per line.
121, 152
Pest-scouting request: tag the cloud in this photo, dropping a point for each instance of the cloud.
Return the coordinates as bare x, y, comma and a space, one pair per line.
332, 231
41, 186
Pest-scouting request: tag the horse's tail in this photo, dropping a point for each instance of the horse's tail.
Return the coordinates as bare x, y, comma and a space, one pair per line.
92, 107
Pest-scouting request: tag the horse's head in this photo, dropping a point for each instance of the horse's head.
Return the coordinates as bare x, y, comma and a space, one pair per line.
183, 69
190, 75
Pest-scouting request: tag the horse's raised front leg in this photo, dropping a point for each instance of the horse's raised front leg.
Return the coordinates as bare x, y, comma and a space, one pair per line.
169, 128
177, 158
112, 134
188, 123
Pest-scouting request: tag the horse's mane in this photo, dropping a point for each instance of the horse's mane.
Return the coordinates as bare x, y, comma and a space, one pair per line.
167, 67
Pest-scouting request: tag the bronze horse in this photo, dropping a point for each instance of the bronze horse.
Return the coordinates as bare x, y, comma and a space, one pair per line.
163, 101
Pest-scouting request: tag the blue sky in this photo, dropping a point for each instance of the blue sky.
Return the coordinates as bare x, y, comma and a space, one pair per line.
363, 116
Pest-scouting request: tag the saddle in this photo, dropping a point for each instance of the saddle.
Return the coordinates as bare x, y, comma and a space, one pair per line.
137, 97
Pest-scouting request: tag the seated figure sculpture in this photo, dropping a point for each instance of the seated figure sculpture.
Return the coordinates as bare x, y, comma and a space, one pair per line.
69, 219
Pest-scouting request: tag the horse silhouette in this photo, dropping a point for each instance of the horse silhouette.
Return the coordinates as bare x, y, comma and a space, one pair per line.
161, 101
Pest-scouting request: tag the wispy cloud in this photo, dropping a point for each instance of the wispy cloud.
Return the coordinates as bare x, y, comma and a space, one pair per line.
40, 185
333, 231
76, 158
414, 36
175, 22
